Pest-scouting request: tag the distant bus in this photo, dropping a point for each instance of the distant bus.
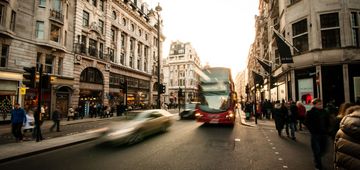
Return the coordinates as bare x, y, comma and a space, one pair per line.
217, 97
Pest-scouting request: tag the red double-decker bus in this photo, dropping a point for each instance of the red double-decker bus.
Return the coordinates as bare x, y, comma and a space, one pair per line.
217, 97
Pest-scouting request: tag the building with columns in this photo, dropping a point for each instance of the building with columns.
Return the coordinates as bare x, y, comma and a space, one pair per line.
115, 43
180, 70
88, 47
34, 32
326, 34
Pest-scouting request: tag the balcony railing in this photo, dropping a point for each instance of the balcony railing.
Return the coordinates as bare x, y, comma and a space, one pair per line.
91, 51
56, 15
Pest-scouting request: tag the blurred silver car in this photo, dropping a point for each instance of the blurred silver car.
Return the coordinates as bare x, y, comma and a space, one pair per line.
144, 124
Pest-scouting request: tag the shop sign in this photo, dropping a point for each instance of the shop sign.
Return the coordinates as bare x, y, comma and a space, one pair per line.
22, 90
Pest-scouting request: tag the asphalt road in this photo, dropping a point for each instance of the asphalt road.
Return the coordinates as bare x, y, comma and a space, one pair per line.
187, 145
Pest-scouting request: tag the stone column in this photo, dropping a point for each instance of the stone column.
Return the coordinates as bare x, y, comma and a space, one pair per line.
346, 82
127, 51
118, 47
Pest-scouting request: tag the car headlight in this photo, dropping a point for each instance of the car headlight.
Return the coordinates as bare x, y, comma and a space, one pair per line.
121, 132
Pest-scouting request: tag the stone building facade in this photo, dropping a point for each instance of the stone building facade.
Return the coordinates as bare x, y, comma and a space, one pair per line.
181, 70
31, 33
88, 47
115, 43
326, 33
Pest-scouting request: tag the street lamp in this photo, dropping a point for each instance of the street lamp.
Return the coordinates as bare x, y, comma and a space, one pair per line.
152, 13
158, 9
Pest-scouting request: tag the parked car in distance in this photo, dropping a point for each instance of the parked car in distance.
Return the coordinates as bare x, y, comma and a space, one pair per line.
133, 131
189, 112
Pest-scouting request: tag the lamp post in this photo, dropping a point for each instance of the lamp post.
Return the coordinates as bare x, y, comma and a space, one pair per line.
158, 9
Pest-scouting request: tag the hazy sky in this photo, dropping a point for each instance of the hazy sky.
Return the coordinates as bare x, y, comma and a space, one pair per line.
220, 31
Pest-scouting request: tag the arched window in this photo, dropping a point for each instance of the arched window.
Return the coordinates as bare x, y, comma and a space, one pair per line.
91, 75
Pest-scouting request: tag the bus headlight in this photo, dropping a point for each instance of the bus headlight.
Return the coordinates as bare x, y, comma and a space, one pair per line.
197, 114
230, 115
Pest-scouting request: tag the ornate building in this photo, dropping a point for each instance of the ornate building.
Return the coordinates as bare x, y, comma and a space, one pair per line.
90, 48
326, 36
115, 44
181, 71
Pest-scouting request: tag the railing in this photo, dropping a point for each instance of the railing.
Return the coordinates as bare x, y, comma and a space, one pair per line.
56, 15
91, 51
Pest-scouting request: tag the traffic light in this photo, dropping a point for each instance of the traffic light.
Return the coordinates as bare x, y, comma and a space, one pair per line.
45, 81
29, 77
162, 88
180, 92
123, 86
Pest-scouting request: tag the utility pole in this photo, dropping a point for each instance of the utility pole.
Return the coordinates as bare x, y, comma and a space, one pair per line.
38, 112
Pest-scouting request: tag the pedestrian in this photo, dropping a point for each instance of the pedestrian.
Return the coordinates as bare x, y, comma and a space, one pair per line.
301, 114
70, 114
80, 111
56, 119
30, 121
335, 120
317, 121
279, 113
292, 119
18, 119
347, 140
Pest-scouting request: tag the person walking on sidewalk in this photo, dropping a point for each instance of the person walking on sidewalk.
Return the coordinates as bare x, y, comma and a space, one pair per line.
70, 114
317, 121
292, 119
347, 140
301, 114
56, 119
18, 119
279, 112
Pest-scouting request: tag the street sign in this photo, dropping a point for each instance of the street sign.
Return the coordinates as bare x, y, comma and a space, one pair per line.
22, 90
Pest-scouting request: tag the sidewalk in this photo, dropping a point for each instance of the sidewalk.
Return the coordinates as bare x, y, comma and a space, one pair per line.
14, 151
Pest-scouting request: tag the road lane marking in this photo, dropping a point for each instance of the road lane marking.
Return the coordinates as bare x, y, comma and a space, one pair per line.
277, 153
273, 147
285, 166
280, 159
237, 140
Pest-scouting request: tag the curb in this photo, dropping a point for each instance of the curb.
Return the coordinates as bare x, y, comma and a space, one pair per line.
51, 148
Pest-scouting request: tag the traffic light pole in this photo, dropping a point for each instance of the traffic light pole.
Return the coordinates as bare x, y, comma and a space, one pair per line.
38, 112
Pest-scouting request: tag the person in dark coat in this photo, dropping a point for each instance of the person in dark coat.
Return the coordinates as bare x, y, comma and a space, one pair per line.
279, 112
56, 116
292, 119
18, 119
317, 121
347, 140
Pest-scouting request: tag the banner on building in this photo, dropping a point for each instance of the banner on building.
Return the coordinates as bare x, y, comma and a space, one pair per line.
258, 79
266, 67
284, 50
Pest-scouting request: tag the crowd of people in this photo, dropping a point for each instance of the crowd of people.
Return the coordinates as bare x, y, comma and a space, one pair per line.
340, 124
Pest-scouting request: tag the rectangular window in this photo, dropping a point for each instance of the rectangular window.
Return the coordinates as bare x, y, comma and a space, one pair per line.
122, 58
94, 2
112, 35
42, 3
2, 9
101, 26
111, 54
355, 29
330, 30
101, 5
300, 36
101, 51
65, 38
85, 19
39, 30
57, 5
12, 20
4, 55
55, 33
123, 39
60, 66
92, 47
49, 60
38, 61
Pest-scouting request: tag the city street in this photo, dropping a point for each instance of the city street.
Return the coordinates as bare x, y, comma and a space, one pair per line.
186, 145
